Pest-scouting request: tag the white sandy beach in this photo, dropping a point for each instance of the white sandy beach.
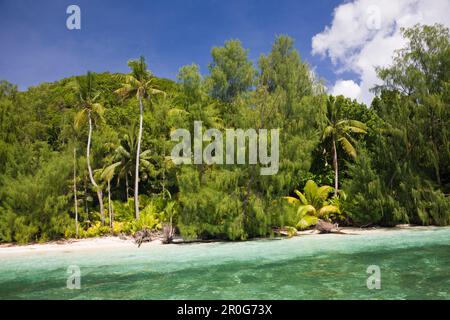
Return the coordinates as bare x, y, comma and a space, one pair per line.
72, 245
100, 243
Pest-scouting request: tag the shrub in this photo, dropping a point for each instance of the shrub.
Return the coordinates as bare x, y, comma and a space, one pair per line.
313, 204
148, 219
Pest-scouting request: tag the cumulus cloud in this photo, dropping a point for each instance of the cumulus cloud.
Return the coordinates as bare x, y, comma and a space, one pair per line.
365, 33
347, 88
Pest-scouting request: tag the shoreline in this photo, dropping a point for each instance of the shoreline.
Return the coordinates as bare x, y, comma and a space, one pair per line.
109, 242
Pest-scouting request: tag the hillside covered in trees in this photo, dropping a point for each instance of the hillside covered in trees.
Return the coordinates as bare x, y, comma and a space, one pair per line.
90, 155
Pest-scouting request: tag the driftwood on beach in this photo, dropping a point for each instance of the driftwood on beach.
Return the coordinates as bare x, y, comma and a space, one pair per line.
142, 236
146, 235
168, 232
321, 227
327, 227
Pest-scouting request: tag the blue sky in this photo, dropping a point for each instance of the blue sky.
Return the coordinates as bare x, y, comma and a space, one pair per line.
36, 46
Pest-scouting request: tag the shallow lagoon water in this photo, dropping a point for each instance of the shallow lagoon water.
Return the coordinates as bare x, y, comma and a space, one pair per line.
414, 263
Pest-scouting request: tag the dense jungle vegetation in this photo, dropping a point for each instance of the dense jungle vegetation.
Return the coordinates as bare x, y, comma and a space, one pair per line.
89, 155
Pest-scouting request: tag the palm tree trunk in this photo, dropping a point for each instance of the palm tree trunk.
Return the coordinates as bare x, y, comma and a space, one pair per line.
109, 204
91, 176
86, 208
126, 186
112, 215
138, 152
164, 173
335, 166
75, 189
102, 208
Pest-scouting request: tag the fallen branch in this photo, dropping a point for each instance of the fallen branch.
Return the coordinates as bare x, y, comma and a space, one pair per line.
326, 227
142, 236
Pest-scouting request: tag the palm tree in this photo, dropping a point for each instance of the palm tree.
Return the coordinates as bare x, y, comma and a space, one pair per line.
339, 130
312, 204
75, 189
91, 111
125, 158
108, 174
140, 83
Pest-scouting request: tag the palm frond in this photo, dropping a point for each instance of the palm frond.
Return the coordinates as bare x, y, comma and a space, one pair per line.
306, 222
145, 154
355, 129
122, 152
328, 131
109, 171
310, 190
98, 109
306, 210
132, 81
144, 163
348, 147
323, 192
357, 124
301, 196
292, 200
125, 91
154, 91
80, 118
327, 210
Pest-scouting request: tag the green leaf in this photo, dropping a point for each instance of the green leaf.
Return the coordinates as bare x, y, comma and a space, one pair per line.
327, 210
305, 210
310, 190
347, 146
301, 196
292, 200
323, 192
306, 222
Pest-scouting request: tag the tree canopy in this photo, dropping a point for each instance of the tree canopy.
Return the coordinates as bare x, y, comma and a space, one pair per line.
393, 156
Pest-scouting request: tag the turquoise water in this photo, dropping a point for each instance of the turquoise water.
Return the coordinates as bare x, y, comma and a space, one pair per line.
414, 264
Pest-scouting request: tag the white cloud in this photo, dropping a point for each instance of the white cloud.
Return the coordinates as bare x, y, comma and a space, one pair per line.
365, 33
347, 88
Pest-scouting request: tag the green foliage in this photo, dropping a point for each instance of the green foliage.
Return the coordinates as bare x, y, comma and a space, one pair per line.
409, 181
401, 173
282, 69
191, 80
231, 72
35, 206
313, 204
366, 202
148, 219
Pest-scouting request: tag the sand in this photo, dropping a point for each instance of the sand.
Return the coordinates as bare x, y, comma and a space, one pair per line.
99, 243
72, 245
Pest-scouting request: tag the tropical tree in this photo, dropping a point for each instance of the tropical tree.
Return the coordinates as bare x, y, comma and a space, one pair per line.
75, 189
339, 130
231, 71
124, 158
91, 111
283, 69
312, 204
420, 72
141, 83
108, 175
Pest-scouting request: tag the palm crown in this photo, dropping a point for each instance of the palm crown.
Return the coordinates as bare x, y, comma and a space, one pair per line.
88, 101
139, 82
